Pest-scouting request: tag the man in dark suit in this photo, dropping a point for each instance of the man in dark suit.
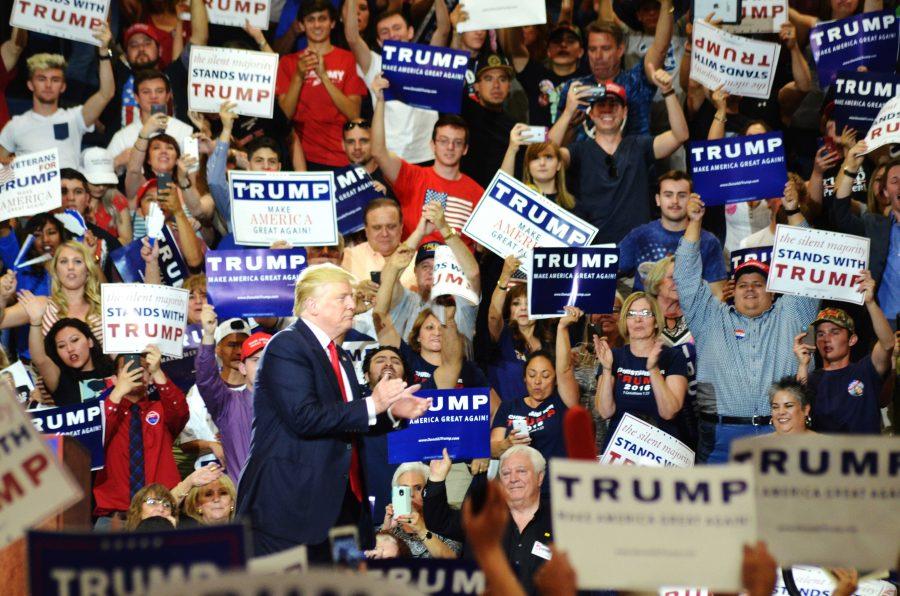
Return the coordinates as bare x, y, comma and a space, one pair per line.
303, 475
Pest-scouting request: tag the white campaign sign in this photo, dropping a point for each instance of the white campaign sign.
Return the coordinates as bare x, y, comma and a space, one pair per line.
217, 75
660, 526
760, 16
744, 66
817, 264
312, 582
136, 315
727, 11
827, 500
34, 484
449, 279
636, 442
500, 14
31, 186
885, 129
233, 13
67, 19
815, 581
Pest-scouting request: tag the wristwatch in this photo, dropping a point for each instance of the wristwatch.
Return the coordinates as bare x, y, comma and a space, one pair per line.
106, 54
428, 535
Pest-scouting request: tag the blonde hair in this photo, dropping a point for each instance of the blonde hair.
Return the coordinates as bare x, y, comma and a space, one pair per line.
91, 284
656, 272
191, 504
623, 316
310, 282
563, 198
45, 62
135, 509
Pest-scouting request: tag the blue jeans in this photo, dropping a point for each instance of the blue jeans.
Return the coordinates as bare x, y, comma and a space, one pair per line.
715, 439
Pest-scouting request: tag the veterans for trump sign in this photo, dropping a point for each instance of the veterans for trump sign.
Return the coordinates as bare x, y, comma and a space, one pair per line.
30, 185
817, 264
136, 315
424, 76
253, 283
826, 499
742, 66
678, 526
571, 276
68, 19
511, 219
639, 443
859, 97
885, 130
739, 169
233, 13
294, 206
217, 75
868, 39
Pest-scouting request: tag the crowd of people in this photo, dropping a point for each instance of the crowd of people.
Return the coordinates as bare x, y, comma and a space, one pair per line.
276, 427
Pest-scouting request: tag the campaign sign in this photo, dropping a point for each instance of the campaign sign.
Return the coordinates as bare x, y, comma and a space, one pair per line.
501, 14
571, 276
827, 500
744, 66
759, 16
739, 256
679, 526
233, 13
885, 129
131, 265
426, 77
817, 264
511, 219
31, 186
439, 577
868, 39
449, 279
353, 191
182, 371
859, 96
35, 484
458, 420
726, 11
739, 169
297, 207
84, 421
68, 20
639, 443
217, 75
136, 315
19, 380
253, 283
77, 564
318, 581
815, 581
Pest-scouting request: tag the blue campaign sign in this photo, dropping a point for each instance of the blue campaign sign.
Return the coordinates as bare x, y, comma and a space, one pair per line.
424, 76
353, 191
78, 564
739, 169
181, 371
253, 282
459, 419
763, 254
130, 265
868, 39
438, 577
84, 421
573, 276
858, 97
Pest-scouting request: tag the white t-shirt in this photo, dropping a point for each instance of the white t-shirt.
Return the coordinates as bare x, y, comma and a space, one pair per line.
30, 132
741, 221
126, 137
200, 425
408, 129
764, 237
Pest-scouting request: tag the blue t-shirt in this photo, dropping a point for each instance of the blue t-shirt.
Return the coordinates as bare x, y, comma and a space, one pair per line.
847, 399
507, 372
545, 423
633, 392
652, 242
423, 371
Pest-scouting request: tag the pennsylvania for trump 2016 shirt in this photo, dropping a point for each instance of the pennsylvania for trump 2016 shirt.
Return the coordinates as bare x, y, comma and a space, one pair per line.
633, 392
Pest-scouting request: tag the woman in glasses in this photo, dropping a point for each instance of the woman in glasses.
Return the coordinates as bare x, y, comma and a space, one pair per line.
642, 378
154, 500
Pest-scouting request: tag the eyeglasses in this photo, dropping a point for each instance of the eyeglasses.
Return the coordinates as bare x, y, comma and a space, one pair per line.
445, 142
351, 124
151, 501
611, 167
642, 314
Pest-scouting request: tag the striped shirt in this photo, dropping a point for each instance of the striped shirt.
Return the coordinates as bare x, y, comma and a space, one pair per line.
738, 357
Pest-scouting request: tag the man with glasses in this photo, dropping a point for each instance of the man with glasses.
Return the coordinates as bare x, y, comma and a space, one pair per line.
612, 169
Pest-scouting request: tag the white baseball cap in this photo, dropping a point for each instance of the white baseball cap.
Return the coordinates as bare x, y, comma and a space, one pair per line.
98, 166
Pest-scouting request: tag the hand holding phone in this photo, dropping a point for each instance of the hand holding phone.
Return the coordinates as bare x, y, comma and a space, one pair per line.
534, 134
191, 146
401, 499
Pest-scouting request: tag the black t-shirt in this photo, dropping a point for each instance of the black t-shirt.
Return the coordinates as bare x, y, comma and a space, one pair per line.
541, 84
423, 371
76, 386
488, 139
847, 399
545, 423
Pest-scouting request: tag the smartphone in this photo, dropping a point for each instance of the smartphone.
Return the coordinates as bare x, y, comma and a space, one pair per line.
376, 276
534, 134
158, 108
597, 92
810, 338
344, 542
163, 181
520, 427
401, 499
191, 146
133, 358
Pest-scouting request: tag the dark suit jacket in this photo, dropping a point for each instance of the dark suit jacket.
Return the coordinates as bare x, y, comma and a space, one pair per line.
293, 484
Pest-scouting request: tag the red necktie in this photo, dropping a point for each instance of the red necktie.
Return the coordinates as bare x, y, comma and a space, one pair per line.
355, 475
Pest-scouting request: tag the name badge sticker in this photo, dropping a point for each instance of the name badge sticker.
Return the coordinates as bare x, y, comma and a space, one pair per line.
541, 550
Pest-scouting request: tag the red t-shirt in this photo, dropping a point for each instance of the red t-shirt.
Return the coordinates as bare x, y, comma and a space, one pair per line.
102, 217
6, 76
317, 120
414, 182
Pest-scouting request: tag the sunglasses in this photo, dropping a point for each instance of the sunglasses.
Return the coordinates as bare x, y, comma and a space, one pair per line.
351, 124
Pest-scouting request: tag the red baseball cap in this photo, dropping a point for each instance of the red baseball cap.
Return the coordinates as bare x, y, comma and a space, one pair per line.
751, 266
254, 344
141, 28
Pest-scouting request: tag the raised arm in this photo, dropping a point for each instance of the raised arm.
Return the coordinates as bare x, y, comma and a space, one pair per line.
495, 308
13, 47
134, 174
150, 255
187, 239
884, 347
566, 384
357, 44
667, 143
288, 100
348, 105
656, 53
201, 206
512, 150
199, 23
802, 22
388, 162
389, 293
434, 213
35, 306
441, 35
446, 375
668, 390
96, 103
719, 99
604, 400
799, 67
